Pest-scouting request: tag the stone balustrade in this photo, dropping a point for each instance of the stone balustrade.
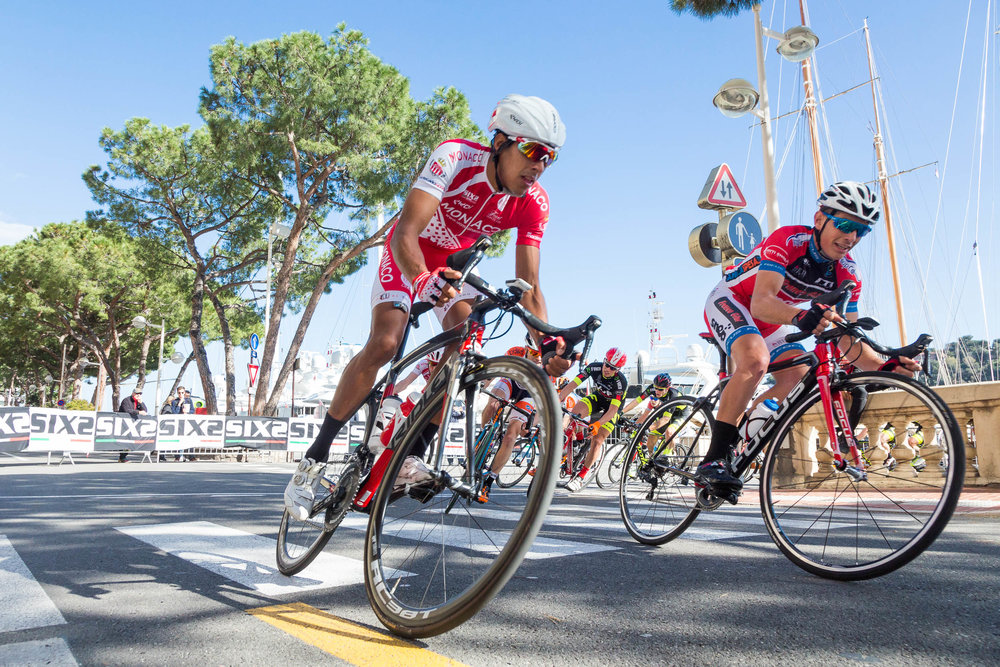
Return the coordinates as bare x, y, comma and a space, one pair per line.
976, 408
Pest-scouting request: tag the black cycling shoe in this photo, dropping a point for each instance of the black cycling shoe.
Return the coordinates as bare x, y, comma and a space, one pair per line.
717, 478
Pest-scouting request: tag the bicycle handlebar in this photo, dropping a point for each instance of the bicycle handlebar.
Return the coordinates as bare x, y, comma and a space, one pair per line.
838, 299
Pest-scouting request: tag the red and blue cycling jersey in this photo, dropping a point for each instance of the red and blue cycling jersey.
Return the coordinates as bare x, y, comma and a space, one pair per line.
791, 251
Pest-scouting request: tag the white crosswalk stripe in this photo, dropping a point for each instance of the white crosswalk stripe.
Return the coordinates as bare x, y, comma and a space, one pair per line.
24, 605
23, 602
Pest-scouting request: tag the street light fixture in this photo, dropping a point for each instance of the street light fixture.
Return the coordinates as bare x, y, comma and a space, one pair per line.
737, 97
141, 322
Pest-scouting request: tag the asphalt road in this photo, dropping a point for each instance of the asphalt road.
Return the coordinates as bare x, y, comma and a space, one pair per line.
161, 563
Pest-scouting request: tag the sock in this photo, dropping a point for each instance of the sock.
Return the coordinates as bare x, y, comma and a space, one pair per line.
723, 438
426, 438
319, 450
583, 472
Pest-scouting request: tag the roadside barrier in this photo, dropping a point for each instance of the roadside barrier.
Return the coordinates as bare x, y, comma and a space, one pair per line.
71, 432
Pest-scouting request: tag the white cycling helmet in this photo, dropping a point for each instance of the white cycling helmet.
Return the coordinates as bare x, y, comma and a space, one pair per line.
853, 198
434, 357
524, 118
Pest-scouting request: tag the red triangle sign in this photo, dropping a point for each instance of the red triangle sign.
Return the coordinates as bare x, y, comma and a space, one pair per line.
724, 191
252, 369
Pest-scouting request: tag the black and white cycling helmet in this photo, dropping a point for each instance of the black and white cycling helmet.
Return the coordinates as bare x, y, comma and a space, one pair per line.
525, 118
852, 198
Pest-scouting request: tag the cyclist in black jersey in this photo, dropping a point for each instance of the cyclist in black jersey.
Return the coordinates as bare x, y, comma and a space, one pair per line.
659, 392
603, 404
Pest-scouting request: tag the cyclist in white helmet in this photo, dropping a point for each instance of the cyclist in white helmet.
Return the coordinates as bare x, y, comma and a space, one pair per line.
754, 307
464, 191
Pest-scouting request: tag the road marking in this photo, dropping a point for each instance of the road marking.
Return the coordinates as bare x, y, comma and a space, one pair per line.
245, 558
23, 602
348, 641
54, 652
483, 541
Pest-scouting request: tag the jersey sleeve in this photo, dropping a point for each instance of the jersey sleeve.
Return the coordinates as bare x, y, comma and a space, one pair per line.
532, 216
774, 252
847, 269
438, 172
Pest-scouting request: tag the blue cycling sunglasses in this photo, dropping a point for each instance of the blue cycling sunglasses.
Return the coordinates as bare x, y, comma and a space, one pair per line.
848, 226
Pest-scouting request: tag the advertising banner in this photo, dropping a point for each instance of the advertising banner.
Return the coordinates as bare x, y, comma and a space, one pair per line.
178, 432
55, 430
257, 433
119, 430
15, 429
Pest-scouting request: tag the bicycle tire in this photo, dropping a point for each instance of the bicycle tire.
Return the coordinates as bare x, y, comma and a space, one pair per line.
836, 527
606, 476
658, 505
299, 542
518, 466
467, 555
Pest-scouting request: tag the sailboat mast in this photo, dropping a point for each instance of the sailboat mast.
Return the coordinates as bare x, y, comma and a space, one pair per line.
811, 109
883, 181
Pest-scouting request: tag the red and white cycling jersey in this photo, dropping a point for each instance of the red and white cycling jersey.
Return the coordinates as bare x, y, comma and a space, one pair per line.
455, 173
424, 368
791, 252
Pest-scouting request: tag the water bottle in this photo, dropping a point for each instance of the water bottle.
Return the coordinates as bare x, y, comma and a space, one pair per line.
763, 412
384, 416
399, 413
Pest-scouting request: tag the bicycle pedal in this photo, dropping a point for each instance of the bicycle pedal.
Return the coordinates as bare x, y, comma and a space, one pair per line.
731, 498
422, 492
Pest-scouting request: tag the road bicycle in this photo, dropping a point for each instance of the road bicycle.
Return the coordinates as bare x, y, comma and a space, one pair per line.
488, 443
434, 555
616, 460
827, 510
575, 450
613, 463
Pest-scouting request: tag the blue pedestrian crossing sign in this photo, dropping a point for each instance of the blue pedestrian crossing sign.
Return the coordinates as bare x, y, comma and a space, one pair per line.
739, 233
254, 341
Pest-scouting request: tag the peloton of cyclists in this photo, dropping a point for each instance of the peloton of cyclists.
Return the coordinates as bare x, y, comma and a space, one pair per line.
464, 191
750, 311
602, 405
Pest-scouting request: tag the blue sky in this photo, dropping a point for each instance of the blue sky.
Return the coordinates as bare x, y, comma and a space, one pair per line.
633, 82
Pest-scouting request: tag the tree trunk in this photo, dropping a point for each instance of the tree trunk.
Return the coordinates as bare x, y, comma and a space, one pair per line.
300, 332
198, 345
227, 341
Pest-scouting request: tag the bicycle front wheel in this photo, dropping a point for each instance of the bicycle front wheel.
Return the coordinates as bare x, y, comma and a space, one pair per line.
852, 525
658, 504
434, 556
521, 461
610, 471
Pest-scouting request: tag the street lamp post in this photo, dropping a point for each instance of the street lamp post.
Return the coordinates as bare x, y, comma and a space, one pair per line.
737, 97
141, 322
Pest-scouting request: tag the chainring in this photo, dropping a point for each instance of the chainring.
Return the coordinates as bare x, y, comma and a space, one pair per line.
343, 495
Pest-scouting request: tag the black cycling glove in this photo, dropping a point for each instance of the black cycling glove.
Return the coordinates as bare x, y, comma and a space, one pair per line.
808, 320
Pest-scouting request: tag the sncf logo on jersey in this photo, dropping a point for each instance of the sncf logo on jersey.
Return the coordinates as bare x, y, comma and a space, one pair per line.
438, 166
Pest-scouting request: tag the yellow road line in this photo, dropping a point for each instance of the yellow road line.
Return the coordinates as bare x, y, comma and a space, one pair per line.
348, 641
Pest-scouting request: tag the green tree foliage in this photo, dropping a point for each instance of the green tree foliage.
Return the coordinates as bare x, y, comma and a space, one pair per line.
965, 360
321, 127
70, 284
176, 189
709, 9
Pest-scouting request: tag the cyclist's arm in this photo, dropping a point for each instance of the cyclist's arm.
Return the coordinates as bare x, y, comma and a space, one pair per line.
570, 386
418, 209
767, 307
405, 382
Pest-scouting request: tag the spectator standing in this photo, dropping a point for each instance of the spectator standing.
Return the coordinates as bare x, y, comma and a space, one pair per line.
182, 405
134, 406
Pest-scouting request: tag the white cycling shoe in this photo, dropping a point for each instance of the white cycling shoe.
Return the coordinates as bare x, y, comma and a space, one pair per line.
301, 490
413, 471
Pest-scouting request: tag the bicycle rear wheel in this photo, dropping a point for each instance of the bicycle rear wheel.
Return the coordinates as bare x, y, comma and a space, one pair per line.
299, 542
521, 461
657, 504
433, 556
837, 526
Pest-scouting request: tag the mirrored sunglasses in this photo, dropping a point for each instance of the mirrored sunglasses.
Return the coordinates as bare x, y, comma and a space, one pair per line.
848, 226
537, 151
